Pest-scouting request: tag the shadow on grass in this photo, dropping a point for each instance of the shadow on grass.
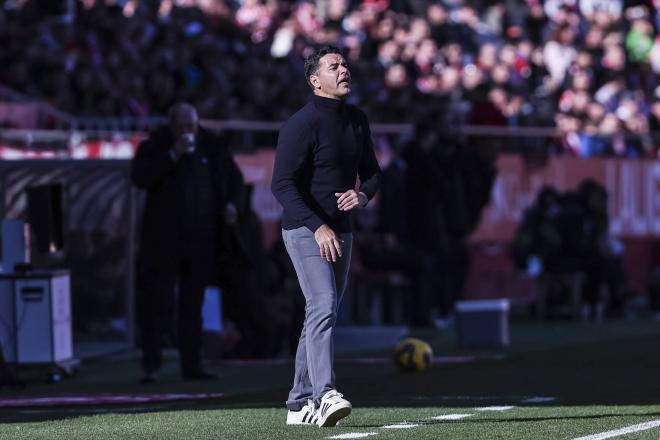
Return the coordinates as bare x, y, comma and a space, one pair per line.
618, 370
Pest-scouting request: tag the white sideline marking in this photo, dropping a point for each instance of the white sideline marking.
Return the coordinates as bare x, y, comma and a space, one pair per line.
494, 408
452, 417
77, 410
403, 425
539, 399
623, 431
354, 435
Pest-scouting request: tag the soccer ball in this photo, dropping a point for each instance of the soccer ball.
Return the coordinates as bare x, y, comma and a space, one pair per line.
412, 354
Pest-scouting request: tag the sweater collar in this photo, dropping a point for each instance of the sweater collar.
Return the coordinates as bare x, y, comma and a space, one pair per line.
329, 104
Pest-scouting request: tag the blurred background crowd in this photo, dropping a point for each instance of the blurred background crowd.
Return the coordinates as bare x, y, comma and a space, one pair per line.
587, 67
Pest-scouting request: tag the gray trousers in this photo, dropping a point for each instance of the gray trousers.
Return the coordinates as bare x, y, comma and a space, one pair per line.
323, 283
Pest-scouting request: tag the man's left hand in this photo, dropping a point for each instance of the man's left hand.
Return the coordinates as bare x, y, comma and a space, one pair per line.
351, 199
230, 214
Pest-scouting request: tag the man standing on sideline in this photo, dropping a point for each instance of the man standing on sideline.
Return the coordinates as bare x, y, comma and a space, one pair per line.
193, 187
320, 152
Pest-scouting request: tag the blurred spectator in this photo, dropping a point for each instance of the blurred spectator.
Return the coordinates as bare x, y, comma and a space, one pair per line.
447, 185
569, 234
559, 52
244, 269
536, 246
193, 191
603, 262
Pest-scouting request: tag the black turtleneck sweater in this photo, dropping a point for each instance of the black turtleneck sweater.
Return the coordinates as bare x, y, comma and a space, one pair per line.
321, 150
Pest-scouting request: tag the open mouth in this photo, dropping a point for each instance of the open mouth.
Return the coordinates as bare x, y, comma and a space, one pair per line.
346, 81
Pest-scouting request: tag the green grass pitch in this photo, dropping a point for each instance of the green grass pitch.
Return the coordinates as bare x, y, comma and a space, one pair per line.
603, 377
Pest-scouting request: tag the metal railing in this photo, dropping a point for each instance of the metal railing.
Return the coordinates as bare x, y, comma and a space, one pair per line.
48, 116
92, 125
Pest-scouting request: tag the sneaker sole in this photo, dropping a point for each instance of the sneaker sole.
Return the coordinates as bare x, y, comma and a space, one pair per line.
310, 422
336, 416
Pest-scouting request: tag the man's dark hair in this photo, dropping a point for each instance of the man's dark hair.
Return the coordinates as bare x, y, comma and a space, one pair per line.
312, 61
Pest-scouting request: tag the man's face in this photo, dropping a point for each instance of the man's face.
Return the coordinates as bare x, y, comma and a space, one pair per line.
184, 121
333, 79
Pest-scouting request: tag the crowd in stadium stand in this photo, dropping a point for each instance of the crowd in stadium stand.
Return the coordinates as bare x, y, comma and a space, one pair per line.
589, 67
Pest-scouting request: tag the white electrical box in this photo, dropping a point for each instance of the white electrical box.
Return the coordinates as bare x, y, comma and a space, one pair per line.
35, 313
483, 323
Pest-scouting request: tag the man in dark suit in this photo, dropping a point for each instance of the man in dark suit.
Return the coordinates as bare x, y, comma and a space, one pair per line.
193, 187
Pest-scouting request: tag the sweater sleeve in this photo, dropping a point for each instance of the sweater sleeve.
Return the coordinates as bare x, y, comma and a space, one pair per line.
368, 170
294, 144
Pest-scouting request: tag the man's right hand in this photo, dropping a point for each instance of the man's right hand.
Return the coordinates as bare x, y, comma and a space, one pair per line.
328, 242
182, 146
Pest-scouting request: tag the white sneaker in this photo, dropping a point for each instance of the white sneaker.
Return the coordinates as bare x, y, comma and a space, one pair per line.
332, 409
306, 416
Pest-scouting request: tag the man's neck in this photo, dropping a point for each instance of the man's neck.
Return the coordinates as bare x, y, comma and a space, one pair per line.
326, 95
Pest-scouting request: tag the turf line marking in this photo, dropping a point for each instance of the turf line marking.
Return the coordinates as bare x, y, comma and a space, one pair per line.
623, 431
102, 399
403, 425
452, 417
354, 435
494, 408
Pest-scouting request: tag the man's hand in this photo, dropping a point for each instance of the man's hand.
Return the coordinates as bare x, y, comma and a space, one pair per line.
350, 199
230, 214
184, 145
328, 242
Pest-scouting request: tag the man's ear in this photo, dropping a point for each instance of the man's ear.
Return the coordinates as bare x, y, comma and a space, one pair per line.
316, 82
